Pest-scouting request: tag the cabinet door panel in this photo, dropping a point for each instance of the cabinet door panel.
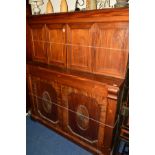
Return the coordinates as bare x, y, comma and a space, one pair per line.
56, 37
84, 115
80, 122
38, 43
47, 105
111, 52
79, 50
46, 99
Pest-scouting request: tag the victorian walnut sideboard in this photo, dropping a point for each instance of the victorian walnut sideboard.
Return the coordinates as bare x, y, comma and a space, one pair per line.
76, 68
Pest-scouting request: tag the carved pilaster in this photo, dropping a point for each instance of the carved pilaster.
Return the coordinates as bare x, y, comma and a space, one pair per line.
111, 113
113, 92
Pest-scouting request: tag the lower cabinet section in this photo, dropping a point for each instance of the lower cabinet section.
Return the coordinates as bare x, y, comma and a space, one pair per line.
77, 112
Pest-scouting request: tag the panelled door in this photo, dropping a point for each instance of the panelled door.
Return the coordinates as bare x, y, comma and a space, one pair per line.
79, 38
111, 49
38, 37
85, 113
56, 48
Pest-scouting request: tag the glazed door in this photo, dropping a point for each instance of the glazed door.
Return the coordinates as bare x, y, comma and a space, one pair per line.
79, 51
56, 48
38, 42
111, 49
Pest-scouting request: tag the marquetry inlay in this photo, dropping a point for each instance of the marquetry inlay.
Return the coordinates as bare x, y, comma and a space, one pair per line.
82, 117
47, 104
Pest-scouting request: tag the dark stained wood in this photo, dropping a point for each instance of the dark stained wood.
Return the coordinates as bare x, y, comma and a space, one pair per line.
87, 110
31, 89
28, 54
28, 50
28, 98
47, 100
76, 74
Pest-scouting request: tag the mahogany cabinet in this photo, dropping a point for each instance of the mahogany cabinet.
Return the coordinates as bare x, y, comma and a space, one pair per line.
76, 76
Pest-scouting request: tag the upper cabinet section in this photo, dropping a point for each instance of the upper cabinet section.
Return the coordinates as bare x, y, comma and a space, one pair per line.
88, 41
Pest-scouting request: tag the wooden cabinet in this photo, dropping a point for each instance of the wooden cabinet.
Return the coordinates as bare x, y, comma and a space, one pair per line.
76, 76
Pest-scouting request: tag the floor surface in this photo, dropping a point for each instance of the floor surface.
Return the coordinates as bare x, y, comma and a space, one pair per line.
42, 141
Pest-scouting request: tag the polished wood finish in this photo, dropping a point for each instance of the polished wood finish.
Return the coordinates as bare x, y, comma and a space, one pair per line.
56, 39
77, 73
110, 15
111, 52
98, 47
28, 52
38, 48
97, 117
79, 50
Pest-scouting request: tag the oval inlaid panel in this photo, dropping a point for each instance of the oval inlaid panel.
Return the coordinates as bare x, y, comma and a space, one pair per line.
47, 104
82, 117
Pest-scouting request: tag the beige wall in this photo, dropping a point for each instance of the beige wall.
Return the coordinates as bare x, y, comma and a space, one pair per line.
71, 5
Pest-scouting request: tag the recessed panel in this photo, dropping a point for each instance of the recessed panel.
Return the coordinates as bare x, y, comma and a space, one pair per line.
84, 115
47, 101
